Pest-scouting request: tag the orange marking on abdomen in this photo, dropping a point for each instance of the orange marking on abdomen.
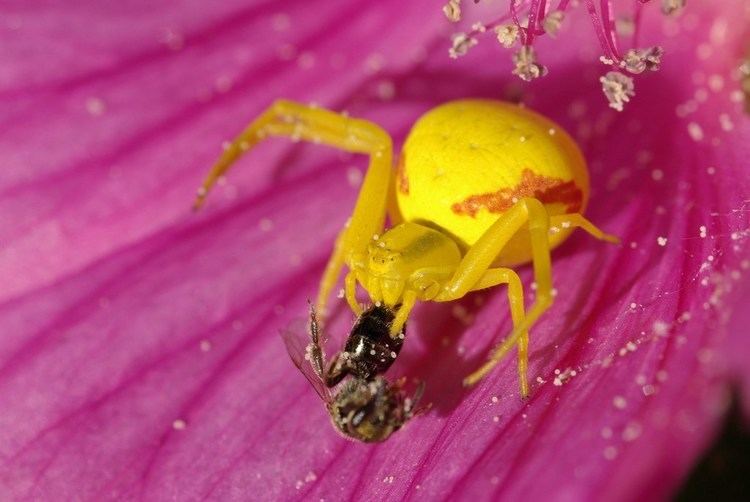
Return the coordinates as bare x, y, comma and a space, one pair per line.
544, 188
401, 178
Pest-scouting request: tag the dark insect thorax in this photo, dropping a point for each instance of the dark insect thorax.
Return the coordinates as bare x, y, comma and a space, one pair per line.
371, 348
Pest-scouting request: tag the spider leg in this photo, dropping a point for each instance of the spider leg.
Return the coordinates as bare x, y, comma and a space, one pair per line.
350, 291
574, 220
480, 257
402, 314
495, 277
313, 124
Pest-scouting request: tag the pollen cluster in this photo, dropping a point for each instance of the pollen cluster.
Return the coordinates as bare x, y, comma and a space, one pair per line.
525, 21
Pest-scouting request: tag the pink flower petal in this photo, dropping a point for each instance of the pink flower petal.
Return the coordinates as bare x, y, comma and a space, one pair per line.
140, 356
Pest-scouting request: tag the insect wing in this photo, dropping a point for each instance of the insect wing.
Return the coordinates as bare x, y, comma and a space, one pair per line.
297, 339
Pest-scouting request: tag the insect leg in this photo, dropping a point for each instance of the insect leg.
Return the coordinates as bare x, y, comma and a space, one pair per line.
317, 358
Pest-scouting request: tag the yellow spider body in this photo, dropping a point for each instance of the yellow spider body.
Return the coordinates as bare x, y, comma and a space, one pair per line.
479, 185
466, 162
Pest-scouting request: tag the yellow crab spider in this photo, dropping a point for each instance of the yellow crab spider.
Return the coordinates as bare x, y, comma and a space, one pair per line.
480, 186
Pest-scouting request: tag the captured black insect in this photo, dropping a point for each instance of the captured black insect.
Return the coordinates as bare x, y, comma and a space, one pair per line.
369, 350
366, 407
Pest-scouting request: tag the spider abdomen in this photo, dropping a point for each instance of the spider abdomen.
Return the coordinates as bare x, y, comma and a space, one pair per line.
466, 162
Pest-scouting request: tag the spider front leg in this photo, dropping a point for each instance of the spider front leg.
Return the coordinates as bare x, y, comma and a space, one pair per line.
308, 123
479, 258
495, 277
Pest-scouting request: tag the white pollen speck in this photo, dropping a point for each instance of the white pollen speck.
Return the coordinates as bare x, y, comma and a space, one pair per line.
354, 176
619, 402
179, 425
393, 355
95, 106
606, 432
494, 399
563, 377
610, 452
662, 241
711, 170
386, 90
657, 175
633, 306
695, 131
205, 345
702, 230
648, 389
726, 122
662, 376
495, 419
552, 131
684, 317
265, 224
632, 431
660, 328
310, 477
716, 83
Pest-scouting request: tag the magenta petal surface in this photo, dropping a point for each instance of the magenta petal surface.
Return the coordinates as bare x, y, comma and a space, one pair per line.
140, 356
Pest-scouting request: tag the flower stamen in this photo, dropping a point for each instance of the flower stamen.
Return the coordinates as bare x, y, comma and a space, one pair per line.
528, 19
618, 89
